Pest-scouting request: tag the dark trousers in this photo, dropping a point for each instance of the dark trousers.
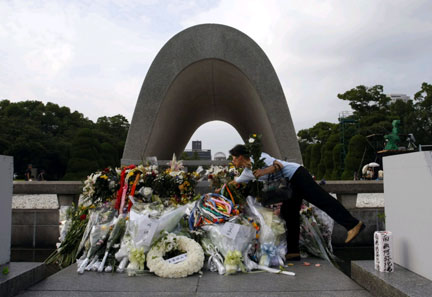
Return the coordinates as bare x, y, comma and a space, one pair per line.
304, 187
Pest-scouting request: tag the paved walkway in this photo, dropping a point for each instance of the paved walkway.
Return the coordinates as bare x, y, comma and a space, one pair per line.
309, 281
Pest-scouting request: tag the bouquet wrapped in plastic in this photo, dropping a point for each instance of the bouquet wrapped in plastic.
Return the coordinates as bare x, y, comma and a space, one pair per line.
231, 239
145, 227
114, 238
271, 233
215, 260
98, 235
315, 233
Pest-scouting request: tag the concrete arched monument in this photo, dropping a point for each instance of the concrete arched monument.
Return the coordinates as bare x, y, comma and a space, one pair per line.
204, 73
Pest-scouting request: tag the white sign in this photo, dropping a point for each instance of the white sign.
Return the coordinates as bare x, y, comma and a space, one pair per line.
177, 259
383, 242
230, 230
147, 229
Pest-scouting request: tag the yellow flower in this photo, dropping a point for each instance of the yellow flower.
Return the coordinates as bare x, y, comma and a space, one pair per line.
253, 135
104, 176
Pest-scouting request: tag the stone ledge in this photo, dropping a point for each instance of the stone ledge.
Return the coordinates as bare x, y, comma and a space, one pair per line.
401, 282
47, 187
23, 275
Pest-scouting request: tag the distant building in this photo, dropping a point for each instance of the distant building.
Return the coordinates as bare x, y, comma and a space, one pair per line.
197, 152
219, 156
395, 97
196, 145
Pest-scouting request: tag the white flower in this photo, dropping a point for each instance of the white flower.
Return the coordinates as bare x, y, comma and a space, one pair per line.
193, 263
147, 192
251, 140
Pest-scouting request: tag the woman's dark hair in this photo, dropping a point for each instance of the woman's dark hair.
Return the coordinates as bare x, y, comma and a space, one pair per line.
239, 150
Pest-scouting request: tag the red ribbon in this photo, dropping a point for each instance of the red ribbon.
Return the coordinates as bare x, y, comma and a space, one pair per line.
122, 181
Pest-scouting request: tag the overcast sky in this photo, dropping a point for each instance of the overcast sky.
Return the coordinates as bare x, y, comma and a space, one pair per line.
92, 56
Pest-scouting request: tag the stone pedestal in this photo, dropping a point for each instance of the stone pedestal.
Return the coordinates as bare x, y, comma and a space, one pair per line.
347, 200
6, 188
408, 208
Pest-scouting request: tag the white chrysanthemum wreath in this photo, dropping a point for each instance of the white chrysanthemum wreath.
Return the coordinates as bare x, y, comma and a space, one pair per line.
193, 263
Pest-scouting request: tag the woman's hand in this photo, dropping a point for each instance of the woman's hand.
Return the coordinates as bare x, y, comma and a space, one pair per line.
259, 172
278, 164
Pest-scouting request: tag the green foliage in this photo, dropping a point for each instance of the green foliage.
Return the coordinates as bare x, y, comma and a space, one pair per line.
423, 114
364, 100
5, 270
356, 150
315, 158
327, 162
337, 161
306, 155
320, 132
321, 166
43, 135
254, 146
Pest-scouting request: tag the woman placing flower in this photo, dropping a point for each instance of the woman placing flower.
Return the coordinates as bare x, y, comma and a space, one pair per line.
304, 187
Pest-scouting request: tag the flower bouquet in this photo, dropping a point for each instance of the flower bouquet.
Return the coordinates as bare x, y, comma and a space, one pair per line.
215, 260
68, 249
231, 239
98, 235
114, 237
271, 233
315, 233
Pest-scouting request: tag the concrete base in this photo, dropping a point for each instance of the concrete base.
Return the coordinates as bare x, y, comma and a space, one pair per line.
23, 275
309, 281
401, 282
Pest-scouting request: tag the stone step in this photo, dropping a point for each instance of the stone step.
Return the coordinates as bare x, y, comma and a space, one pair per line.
400, 283
23, 275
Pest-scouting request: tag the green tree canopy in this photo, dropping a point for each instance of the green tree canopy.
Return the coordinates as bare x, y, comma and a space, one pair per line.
356, 151
423, 113
315, 158
43, 134
364, 100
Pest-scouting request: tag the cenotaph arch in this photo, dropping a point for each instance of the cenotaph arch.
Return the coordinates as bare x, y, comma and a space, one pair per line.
204, 73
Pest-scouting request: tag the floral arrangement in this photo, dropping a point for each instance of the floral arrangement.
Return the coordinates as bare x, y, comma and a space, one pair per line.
316, 232
254, 146
141, 217
189, 258
100, 186
220, 175
67, 250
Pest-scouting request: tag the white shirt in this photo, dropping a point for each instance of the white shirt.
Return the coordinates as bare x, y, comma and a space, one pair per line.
288, 170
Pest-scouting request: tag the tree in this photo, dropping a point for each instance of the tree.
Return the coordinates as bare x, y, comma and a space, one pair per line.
364, 100
320, 132
315, 158
306, 156
356, 150
337, 161
85, 152
327, 163
423, 114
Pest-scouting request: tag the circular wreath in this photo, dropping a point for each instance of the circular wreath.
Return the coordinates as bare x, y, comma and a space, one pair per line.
193, 263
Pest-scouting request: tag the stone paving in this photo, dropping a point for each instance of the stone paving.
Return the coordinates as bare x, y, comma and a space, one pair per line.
309, 281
